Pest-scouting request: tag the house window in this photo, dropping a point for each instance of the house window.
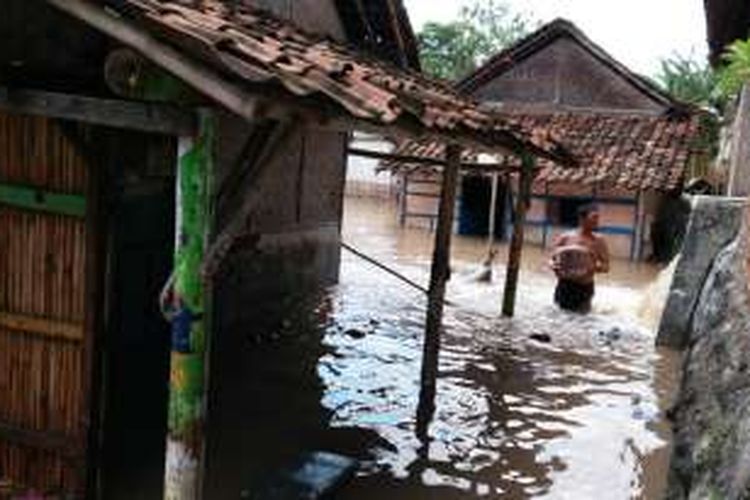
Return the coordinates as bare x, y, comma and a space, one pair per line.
564, 211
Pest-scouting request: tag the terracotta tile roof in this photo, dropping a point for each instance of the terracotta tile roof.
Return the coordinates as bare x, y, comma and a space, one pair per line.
257, 49
634, 152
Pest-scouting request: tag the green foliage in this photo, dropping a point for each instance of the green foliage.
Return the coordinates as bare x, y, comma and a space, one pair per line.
689, 81
484, 27
736, 71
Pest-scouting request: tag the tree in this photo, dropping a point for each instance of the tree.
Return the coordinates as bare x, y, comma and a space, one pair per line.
736, 71
484, 27
695, 82
689, 81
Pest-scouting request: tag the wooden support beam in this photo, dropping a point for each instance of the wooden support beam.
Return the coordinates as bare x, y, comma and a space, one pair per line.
516, 245
42, 201
434, 162
436, 298
43, 327
68, 446
493, 213
146, 117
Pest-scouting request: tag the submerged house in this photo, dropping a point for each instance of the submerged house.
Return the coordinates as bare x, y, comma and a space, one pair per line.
181, 161
635, 143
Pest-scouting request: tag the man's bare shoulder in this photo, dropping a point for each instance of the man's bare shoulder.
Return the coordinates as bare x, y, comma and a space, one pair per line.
566, 237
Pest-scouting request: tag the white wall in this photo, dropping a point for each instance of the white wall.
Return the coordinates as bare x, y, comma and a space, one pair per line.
362, 178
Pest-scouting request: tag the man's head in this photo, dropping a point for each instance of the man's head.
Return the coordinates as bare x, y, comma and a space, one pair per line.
588, 217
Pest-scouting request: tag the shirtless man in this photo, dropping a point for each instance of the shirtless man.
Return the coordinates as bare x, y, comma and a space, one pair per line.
577, 257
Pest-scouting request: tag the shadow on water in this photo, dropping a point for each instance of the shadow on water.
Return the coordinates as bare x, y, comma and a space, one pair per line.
578, 417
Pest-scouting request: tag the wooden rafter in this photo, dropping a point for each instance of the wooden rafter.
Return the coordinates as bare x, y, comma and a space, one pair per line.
146, 117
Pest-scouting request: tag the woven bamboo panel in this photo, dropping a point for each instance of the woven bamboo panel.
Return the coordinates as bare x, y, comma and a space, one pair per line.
42, 289
34, 152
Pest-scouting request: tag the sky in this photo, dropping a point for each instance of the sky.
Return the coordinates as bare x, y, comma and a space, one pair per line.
639, 33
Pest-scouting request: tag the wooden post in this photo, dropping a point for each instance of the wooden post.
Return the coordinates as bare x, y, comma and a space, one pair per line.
493, 213
185, 439
404, 201
438, 279
516, 244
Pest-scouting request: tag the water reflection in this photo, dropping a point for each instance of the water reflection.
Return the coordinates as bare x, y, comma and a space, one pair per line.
578, 417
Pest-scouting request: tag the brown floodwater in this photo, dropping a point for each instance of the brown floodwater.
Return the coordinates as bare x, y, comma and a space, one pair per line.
579, 417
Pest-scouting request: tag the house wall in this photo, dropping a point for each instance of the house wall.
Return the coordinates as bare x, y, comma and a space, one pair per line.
291, 254
564, 74
625, 218
316, 16
617, 214
362, 176
420, 200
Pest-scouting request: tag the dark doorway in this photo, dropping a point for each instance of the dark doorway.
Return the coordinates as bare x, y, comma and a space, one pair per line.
563, 211
137, 346
476, 196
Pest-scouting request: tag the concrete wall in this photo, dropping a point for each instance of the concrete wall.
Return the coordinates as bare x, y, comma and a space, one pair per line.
739, 148
564, 74
290, 254
711, 456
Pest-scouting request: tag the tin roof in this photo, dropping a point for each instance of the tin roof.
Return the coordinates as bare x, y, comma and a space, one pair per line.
634, 152
273, 58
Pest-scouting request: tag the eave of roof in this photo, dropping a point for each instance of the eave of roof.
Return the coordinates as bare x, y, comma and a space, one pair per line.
264, 56
636, 152
544, 36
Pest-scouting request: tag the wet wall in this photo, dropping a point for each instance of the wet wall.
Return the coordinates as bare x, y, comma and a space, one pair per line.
265, 293
711, 457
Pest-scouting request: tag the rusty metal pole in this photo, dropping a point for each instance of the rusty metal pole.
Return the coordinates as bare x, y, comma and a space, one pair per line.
516, 244
438, 279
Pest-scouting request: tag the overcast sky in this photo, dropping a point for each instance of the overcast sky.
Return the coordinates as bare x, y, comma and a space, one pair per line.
639, 33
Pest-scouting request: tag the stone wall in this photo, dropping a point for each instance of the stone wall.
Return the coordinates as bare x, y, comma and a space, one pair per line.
713, 225
711, 458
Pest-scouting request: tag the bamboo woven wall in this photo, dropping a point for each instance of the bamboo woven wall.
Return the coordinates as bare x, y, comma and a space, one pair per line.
42, 264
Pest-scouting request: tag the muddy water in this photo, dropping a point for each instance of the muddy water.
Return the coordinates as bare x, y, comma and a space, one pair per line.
578, 417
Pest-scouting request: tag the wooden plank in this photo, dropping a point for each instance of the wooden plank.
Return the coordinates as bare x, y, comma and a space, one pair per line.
67, 446
41, 326
435, 162
42, 201
146, 117
423, 194
436, 299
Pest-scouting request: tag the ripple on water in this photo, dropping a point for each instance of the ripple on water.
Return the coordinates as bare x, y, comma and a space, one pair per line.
572, 418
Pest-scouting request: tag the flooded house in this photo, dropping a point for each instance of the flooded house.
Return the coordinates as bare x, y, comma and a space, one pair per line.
637, 142
171, 182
